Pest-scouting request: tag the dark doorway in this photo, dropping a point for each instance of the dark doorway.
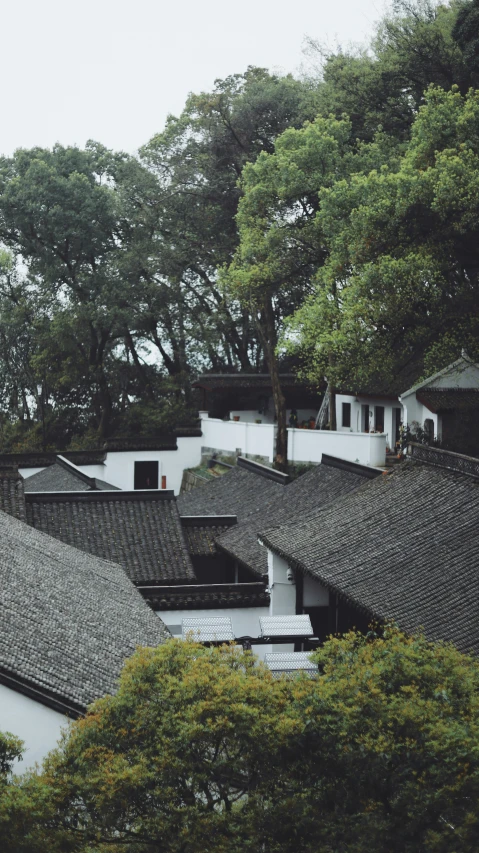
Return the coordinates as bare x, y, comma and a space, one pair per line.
379, 418
365, 418
396, 424
146, 475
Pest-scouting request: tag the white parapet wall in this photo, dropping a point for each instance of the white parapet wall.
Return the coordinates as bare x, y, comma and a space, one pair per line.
230, 436
309, 445
304, 445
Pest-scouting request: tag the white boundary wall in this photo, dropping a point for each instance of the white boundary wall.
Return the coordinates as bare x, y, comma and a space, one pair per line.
303, 445
229, 436
309, 445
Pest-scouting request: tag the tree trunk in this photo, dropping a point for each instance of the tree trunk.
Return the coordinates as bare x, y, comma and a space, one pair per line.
267, 330
332, 400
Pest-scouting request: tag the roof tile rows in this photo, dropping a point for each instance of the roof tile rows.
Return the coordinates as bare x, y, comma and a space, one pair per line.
64, 477
208, 596
201, 538
318, 487
12, 498
139, 530
403, 547
238, 492
446, 399
68, 620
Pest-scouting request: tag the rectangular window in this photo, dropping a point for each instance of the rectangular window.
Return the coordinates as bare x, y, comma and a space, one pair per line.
146, 475
346, 414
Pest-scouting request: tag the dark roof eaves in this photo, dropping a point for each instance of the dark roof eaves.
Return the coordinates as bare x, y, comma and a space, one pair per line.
238, 559
102, 495
42, 695
262, 470
353, 467
208, 520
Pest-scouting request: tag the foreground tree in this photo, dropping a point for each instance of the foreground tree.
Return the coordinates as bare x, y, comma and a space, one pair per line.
202, 749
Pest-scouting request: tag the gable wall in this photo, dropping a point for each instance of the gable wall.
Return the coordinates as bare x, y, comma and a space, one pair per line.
466, 376
37, 725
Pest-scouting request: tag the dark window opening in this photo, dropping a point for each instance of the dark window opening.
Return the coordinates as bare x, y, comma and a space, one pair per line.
146, 475
379, 418
346, 414
365, 417
429, 429
397, 424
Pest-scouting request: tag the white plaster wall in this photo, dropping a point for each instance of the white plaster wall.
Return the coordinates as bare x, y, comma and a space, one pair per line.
309, 445
282, 592
245, 621
416, 412
461, 376
119, 466
37, 725
357, 416
230, 435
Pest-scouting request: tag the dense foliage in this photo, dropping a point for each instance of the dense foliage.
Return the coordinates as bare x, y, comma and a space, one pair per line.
345, 200
201, 749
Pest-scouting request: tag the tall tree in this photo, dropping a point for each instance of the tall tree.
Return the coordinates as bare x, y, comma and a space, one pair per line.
404, 255
282, 241
197, 161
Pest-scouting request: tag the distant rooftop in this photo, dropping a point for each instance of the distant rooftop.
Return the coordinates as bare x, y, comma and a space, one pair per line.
140, 530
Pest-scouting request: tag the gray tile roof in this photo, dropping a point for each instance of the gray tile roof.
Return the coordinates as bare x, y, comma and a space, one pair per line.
64, 477
139, 530
11, 492
444, 399
40, 458
68, 620
239, 492
404, 547
315, 489
201, 538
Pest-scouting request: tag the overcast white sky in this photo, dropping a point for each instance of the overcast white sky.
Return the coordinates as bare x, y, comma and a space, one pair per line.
111, 70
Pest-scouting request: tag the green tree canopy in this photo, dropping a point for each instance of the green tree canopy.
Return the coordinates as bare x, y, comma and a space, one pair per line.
203, 749
401, 282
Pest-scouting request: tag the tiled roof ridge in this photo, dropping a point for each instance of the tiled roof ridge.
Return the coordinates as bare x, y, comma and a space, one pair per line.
446, 459
262, 470
447, 390
42, 459
208, 520
102, 496
242, 375
73, 469
355, 467
197, 596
